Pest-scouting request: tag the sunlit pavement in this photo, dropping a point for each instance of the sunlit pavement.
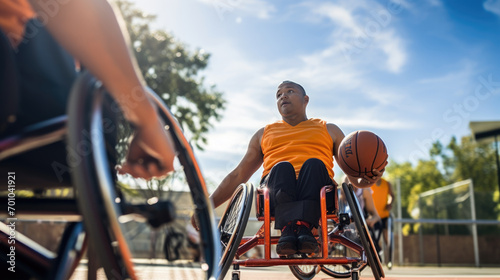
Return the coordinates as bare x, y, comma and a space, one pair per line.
160, 269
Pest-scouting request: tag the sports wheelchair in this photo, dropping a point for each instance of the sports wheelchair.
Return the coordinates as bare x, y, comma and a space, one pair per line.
341, 255
80, 150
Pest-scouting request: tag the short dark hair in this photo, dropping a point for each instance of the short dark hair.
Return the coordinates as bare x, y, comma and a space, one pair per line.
291, 82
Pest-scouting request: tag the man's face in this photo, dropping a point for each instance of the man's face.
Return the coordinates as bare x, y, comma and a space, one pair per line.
290, 99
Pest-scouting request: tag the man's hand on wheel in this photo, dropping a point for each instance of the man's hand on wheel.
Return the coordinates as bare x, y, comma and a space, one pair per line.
151, 152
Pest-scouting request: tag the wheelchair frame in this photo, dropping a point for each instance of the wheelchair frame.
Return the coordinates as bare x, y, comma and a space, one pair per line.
366, 250
85, 224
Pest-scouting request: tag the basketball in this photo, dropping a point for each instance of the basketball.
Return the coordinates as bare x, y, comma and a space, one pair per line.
360, 152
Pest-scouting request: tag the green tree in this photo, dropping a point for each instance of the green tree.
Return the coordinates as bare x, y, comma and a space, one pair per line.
415, 180
470, 159
173, 72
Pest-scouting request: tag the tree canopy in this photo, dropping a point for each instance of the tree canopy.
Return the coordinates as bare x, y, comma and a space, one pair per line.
173, 72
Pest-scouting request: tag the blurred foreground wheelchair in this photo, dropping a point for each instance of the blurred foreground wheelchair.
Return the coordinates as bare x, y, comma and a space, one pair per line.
345, 250
80, 150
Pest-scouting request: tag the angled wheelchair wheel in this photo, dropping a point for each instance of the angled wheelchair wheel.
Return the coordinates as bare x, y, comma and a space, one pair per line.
98, 139
364, 233
338, 250
232, 225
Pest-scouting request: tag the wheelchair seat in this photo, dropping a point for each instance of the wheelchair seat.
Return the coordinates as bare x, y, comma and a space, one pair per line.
331, 197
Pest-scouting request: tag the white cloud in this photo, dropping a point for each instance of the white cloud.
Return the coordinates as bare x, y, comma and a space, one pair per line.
256, 8
340, 15
492, 6
361, 28
392, 46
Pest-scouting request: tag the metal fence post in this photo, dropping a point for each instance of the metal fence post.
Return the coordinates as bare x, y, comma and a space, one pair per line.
400, 216
474, 224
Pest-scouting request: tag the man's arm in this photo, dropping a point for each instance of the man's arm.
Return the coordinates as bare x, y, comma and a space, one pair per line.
246, 168
390, 199
373, 217
91, 32
250, 162
96, 36
337, 137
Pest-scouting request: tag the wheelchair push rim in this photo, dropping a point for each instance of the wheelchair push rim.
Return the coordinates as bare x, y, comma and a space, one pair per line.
232, 225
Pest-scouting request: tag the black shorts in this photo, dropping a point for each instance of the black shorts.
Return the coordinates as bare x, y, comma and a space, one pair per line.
383, 222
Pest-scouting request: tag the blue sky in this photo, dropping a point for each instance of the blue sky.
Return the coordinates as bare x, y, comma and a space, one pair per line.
411, 71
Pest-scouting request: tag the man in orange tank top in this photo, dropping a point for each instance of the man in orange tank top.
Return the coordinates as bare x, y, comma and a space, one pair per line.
297, 155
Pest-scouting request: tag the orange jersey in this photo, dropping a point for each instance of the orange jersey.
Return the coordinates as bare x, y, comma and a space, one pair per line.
380, 196
14, 14
296, 144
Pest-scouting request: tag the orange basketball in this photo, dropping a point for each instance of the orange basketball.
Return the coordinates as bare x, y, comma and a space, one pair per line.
360, 152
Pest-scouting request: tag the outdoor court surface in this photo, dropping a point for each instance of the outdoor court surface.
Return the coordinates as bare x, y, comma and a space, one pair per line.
162, 270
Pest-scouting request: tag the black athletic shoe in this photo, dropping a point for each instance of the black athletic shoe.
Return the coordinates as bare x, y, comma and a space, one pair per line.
306, 242
287, 244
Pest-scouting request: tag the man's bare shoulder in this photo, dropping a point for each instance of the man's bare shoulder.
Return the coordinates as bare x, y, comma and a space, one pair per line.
336, 134
260, 131
333, 128
257, 137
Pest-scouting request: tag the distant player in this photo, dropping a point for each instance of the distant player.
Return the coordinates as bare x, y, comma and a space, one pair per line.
383, 197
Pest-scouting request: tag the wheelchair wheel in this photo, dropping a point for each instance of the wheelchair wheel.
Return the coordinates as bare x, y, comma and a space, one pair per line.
304, 272
232, 225
364, 233
98, 137
337, 270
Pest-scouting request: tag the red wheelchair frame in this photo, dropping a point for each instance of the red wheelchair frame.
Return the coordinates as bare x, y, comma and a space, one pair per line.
366, 252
